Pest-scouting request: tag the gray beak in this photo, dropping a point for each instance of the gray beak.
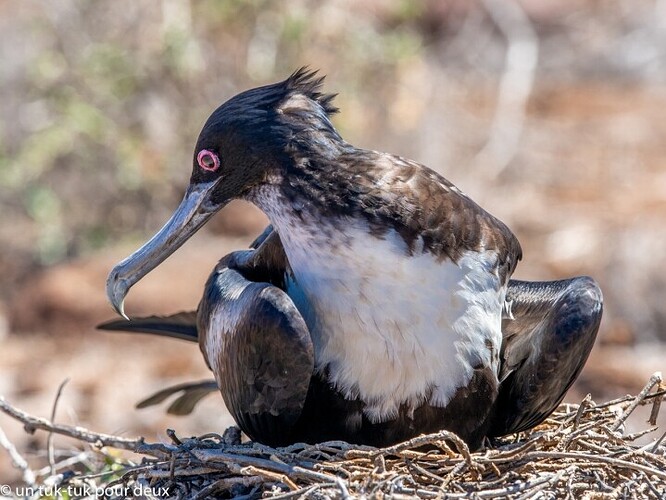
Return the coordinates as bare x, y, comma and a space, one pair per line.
193, 212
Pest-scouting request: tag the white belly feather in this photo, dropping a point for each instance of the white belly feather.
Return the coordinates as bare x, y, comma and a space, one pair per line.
391, 328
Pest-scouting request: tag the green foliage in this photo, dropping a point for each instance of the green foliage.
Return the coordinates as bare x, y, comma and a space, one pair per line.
107, 99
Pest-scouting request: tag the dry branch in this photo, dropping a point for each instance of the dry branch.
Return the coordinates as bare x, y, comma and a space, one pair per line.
578, 451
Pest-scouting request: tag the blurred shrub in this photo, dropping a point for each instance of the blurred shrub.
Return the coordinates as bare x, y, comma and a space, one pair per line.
101, 102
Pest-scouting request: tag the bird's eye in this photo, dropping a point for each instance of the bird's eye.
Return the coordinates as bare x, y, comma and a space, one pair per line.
208, 160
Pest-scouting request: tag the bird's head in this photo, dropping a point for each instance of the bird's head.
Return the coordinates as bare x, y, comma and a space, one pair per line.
247, 142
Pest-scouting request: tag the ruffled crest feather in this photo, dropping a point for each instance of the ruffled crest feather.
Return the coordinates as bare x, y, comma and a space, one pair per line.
305, 81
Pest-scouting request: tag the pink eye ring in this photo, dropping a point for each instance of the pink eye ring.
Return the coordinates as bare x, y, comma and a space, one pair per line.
208, 160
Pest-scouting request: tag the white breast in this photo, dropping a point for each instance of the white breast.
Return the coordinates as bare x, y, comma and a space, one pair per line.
391, 328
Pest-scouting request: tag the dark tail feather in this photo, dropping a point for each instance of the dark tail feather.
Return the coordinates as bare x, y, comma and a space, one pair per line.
182, 325
192, 393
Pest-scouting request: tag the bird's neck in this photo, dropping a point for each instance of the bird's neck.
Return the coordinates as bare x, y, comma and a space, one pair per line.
346, 185
317, 181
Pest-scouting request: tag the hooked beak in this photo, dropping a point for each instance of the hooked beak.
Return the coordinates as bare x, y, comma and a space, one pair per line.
193, 212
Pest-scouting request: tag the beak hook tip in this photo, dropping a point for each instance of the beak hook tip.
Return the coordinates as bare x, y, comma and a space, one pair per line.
121, 310
116, 289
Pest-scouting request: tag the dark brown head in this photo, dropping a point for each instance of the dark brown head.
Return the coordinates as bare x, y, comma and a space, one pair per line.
248, 141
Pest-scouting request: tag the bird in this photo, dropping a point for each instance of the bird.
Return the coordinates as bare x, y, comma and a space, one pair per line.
378, 304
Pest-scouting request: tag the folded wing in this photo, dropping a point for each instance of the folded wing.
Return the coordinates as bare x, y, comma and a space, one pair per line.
545, 345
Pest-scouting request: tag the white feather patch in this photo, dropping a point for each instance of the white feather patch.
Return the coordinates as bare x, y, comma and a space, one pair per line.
391, 328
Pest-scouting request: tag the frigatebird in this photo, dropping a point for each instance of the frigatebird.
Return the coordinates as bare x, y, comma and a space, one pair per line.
377, 306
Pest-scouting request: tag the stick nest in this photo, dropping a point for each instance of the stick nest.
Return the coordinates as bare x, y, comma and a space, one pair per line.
581, 451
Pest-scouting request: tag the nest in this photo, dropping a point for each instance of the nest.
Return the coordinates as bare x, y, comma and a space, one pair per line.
581, 451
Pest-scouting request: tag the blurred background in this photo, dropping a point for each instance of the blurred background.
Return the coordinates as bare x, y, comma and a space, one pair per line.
549, 113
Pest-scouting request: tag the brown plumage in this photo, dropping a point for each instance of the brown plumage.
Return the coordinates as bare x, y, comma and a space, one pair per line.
371, 310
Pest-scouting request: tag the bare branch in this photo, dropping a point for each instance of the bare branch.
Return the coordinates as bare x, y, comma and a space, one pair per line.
83, 434
49, 439
573, 453
654, 380
17, 459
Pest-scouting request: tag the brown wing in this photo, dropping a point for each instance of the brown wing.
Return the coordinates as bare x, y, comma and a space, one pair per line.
544, 348
259, 348
447, 221
393, 193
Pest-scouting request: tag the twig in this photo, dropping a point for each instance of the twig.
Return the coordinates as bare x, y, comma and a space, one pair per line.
438, 439
584, 405
656, 406
634, 436
572, 452
49, 437
226, 484
625, 399
82, 434
654, 379
658, 443
272, 476
17, 459
313, 475
174, 438
597, 458
551, 481
173, 474
76, 459
212, 455
302, 493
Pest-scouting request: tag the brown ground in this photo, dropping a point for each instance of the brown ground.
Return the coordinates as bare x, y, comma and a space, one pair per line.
585, 191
